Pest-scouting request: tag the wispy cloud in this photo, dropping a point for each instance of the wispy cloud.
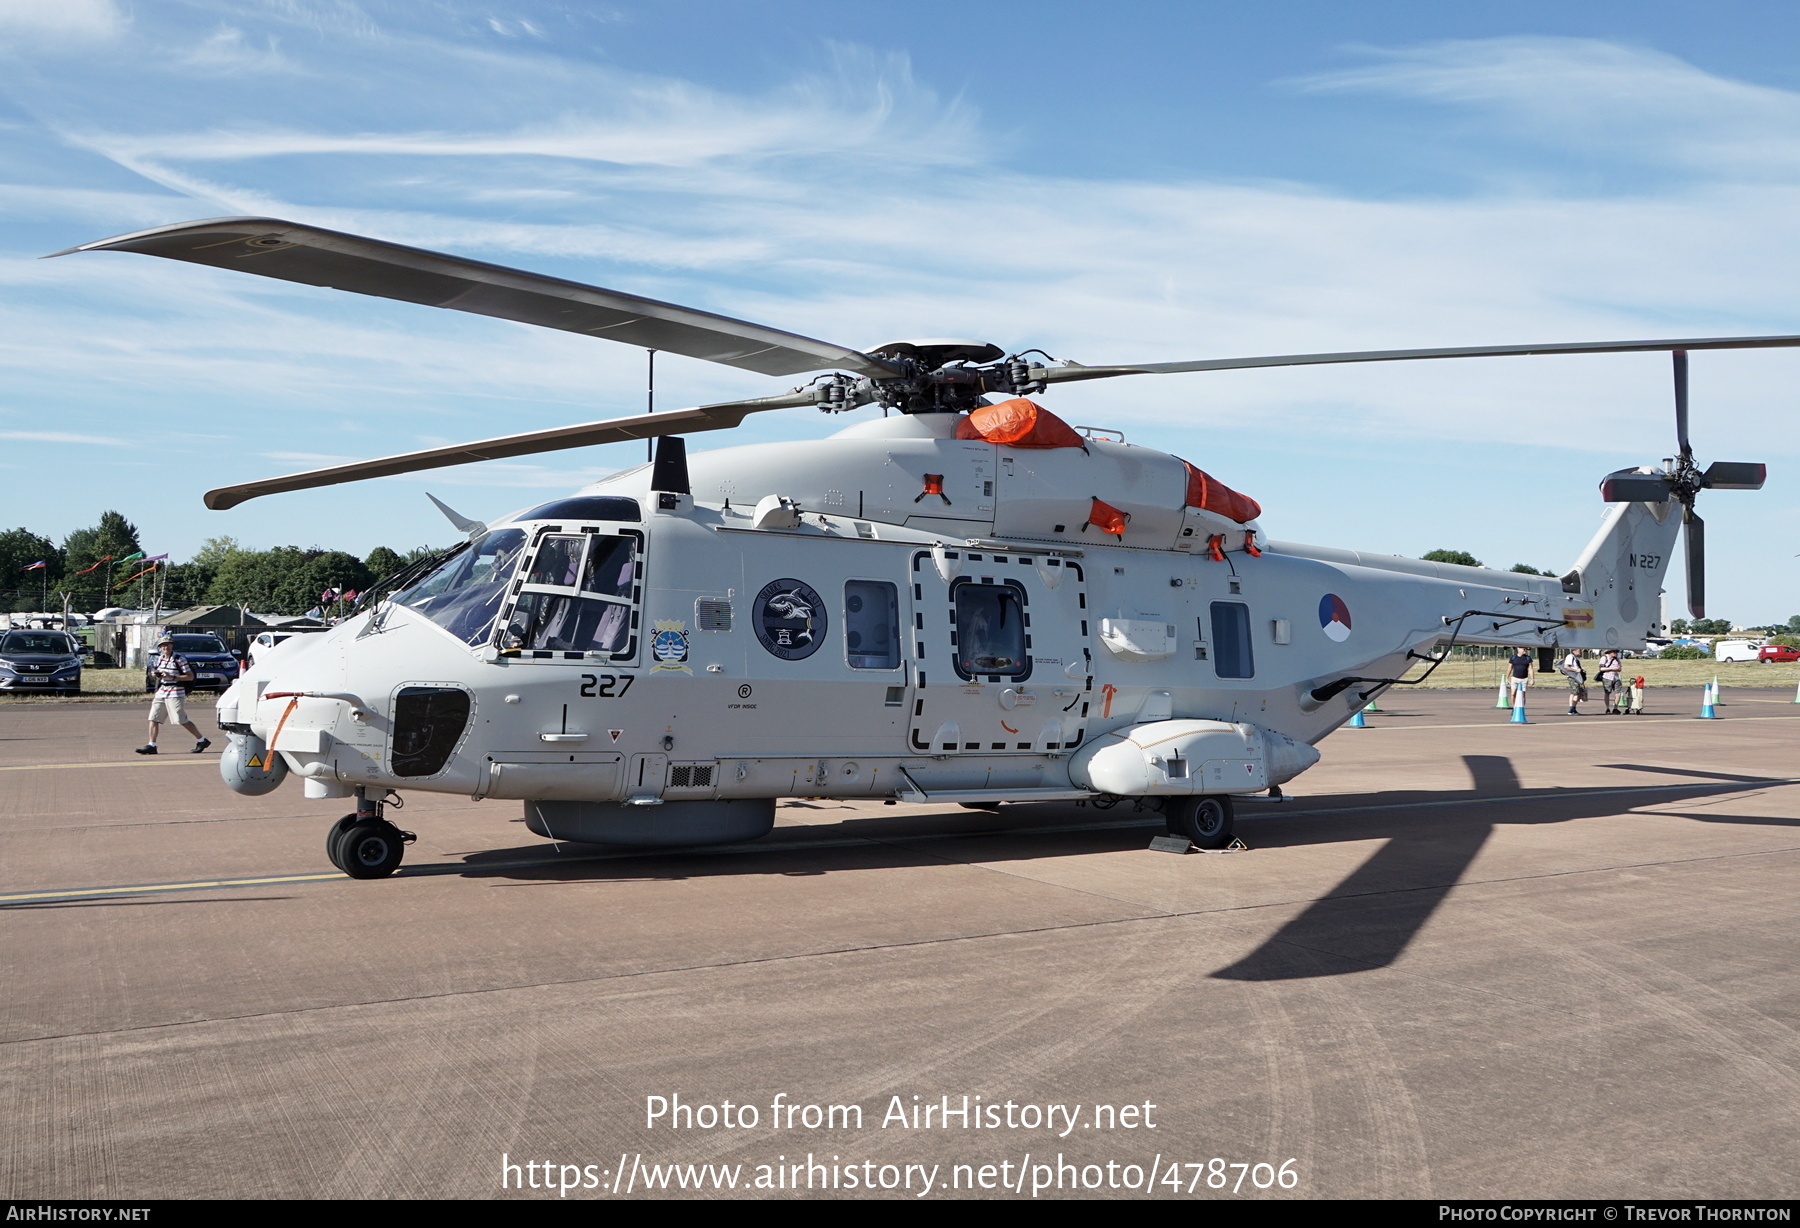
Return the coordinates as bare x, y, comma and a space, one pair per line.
75, 21
230, 50
62, 437
1637, 102
855, 203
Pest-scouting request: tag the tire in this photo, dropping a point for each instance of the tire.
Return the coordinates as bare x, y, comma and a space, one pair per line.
1204, 821
335, 834
371, 849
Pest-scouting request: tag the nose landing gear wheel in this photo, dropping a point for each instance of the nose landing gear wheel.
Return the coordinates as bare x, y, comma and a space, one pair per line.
371, 848
1205, 821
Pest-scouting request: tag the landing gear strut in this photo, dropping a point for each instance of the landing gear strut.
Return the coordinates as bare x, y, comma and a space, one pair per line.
365, 844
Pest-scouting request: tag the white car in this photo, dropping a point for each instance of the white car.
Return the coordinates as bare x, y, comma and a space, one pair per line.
1735, 650
266, 640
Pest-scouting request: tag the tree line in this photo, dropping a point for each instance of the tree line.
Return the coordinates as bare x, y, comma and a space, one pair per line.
105, 566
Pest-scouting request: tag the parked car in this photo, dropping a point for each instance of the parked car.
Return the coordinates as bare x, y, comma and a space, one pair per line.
1735, 650
266, 640
39, 661
1777, 652
214, 667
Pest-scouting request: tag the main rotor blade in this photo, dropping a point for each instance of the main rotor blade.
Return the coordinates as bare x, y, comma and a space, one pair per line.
318, 257
1681, 404
611, 430
1693, 532
1066, 372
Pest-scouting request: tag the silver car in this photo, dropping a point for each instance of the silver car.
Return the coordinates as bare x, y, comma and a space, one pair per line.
40, 661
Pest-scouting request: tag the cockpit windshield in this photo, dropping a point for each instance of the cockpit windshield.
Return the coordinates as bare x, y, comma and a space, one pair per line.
463, 595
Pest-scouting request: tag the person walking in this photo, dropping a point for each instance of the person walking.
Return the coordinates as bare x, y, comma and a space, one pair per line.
1520, 665
173, 673
1570, 667
1610, 688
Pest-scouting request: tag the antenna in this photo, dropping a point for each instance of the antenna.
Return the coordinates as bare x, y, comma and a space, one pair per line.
650, 403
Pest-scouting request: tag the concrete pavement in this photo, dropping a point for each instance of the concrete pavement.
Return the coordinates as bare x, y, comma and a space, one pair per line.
1472, 960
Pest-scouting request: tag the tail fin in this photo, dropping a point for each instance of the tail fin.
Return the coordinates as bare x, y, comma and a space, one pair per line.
1613, 596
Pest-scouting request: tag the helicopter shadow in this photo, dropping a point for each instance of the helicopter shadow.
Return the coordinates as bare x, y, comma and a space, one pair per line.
1365, 922
1370, 918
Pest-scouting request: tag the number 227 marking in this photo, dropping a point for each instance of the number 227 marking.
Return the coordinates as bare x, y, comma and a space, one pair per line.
601, 685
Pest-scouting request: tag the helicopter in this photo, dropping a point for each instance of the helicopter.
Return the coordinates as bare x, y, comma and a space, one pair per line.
966, 601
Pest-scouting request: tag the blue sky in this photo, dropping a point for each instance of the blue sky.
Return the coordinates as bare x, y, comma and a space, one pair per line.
1131, 182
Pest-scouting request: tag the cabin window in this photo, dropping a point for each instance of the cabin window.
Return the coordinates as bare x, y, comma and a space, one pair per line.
579, 595
871, 624
1231, 640
464, 593
990, 630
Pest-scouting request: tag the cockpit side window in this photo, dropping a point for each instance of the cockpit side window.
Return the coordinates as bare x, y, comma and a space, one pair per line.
558, 561
611, 565
580, 596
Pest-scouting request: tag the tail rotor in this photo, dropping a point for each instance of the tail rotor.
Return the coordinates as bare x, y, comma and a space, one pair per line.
1681, 480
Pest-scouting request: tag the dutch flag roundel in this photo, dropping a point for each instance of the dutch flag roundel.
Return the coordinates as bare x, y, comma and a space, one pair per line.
1334, 617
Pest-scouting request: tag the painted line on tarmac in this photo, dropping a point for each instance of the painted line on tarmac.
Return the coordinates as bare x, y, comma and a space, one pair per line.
1503, 722
439, 869
147, 759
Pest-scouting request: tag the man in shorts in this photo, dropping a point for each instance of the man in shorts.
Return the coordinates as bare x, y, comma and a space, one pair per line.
1610, 688
1519, 665
173, 673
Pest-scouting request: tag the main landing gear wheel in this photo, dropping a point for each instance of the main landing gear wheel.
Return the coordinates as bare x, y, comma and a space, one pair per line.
335, 834
371, 848
1204, 821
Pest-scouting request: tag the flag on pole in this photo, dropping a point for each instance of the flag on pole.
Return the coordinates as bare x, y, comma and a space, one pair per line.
156, 558
130, 557
85, 570
38, 564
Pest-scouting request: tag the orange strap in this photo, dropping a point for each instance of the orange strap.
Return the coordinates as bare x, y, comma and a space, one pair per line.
292, 704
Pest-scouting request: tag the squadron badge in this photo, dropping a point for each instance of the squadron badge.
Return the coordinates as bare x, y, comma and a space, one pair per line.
790, 619
670, 647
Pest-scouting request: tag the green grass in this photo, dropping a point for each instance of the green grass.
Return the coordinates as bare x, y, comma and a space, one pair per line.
1472, 673
104, 684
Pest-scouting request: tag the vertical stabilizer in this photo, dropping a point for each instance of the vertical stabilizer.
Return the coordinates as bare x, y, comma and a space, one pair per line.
1613, 596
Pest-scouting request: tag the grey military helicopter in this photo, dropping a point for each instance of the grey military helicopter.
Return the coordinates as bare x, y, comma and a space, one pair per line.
965, 601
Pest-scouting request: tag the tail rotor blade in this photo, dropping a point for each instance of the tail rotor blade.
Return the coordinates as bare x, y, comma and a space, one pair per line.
1694, 536
1681, 402
1735, 475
